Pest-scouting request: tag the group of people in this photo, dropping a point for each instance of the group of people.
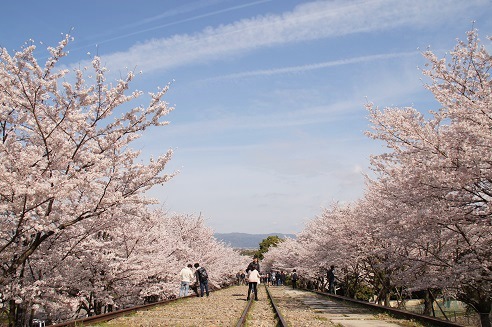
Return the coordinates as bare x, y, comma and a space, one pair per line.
275, 278
241, 277
199, 277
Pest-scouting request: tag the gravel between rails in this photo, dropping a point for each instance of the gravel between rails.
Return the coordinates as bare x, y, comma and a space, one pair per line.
305, 309
261, 313
294, 310
221, 308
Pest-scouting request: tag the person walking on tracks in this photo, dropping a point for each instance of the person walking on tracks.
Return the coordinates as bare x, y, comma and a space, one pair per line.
254, 265
273, 278
238, 278
294, 278
282, 279
186, 276
202, 278
243, 278
253, 279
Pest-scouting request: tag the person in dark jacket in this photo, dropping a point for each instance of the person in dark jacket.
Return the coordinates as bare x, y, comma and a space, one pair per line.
254, 265
294, 278
282, 279
201, 278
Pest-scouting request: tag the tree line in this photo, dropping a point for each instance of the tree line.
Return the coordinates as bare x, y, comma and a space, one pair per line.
424, 223
78, 234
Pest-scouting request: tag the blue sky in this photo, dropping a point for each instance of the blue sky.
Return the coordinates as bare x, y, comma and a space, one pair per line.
269, 95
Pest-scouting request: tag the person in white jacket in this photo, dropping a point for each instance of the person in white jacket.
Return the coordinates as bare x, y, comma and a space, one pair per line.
186, 275
253, 279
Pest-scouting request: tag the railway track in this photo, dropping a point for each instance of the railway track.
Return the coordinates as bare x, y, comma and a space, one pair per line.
331, 310
277, 306
402, 314
264, 313
227, 307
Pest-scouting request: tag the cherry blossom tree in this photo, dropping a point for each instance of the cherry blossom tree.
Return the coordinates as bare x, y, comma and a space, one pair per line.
440, 169
286, 256
128, 262
66, 166
78, 236
424, 222
347, 236
325, 241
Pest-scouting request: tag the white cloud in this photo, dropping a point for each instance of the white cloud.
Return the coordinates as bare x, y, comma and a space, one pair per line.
184, 9
321, 65
311, 21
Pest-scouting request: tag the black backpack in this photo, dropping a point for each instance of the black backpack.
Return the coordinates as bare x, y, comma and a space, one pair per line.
202, 273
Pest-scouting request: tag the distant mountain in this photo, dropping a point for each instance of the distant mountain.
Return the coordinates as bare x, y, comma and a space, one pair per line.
246, 241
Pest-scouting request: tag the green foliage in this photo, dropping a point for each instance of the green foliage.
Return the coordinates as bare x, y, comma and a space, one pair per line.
247, 252
265, 245
356, 288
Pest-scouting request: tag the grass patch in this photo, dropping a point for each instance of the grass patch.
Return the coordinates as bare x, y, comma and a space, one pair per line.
321, 318
401, 321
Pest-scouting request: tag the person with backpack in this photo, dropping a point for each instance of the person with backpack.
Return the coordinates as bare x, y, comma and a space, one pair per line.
294, 278
201, 278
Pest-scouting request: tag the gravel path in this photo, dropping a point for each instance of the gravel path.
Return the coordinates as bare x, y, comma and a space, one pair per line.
225, 307
261, 313
222, 308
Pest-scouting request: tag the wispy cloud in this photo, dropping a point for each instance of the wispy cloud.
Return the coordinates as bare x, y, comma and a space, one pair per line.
306, 22
321, 65
323, 114
177, 11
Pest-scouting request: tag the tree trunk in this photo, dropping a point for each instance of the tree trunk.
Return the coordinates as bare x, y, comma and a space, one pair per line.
387, 298
387, 291
485, 312
17, 316
11, 313
427, 303
380, 297
485, 319
480, 301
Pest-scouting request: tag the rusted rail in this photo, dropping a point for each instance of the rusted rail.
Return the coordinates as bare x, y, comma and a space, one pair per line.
115, 314
243, 319
282, 322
